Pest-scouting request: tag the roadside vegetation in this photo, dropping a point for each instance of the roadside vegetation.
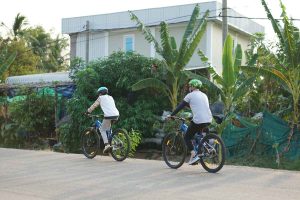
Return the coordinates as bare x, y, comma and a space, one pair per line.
266, 85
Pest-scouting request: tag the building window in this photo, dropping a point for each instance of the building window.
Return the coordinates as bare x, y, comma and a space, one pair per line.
128, 43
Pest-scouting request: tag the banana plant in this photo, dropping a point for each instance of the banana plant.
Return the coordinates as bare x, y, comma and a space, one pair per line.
231, 85
174, 59
4, 64
286, 68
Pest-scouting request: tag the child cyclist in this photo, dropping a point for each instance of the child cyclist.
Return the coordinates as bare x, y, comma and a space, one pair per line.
110, 111
202, 116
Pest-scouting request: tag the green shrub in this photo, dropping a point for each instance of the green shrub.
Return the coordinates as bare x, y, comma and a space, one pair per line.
34, 115
118, 72
135, 139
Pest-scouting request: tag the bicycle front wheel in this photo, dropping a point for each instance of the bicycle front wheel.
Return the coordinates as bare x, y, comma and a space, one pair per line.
212, 153
90, 142
174, 150
120, 143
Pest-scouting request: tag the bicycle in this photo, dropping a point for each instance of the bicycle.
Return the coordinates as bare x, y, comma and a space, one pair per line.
118, 139
209, 147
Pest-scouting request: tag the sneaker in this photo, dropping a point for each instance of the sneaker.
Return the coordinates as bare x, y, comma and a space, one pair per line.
107, 148
194, 158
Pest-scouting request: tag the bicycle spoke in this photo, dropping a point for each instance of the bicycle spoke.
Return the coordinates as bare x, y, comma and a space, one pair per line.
120, 145
90, 143
174, 150
212, 153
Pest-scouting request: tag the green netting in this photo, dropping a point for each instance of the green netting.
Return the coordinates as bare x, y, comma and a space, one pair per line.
275, 130
269, 135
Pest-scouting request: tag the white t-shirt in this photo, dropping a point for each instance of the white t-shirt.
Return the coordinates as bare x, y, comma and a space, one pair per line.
107, 105
199, 104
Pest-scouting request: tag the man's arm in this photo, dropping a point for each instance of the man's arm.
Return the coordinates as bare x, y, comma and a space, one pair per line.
179, 107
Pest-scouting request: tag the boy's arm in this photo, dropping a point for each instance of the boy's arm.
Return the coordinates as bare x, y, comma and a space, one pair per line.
95, 104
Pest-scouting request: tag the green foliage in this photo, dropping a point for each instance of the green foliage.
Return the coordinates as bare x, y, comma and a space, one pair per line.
77, 65
174, 59
19, 24
34, 115
141, 115
265, 162
117, 72
284, 66
24, 63
232, 85
70, 141
135, 140
6, 60
48, 49
37, 50
10, 135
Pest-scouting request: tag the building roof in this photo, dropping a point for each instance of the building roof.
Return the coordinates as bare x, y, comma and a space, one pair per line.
39, 78
153, 17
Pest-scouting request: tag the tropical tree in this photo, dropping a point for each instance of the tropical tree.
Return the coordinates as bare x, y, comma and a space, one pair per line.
50, 50
174, 59
286, 66
6, 60
18, 25
232, 85
25, 62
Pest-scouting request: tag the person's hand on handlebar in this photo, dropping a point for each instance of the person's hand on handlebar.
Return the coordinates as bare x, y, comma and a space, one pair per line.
168, 117
86, 113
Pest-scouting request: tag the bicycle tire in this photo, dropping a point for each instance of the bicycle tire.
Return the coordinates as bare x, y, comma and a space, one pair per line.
174, 150
212, 153
120, 143
90, 142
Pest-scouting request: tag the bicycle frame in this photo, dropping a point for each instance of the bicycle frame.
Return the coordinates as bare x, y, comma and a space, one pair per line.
183, 129
208, 146
97, 124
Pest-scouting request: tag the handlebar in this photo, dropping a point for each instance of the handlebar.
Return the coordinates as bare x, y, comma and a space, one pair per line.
177, 118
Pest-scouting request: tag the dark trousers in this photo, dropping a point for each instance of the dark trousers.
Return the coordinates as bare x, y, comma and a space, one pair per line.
191, 131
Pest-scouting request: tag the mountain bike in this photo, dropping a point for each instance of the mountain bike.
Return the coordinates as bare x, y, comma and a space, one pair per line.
118, 139
209, 147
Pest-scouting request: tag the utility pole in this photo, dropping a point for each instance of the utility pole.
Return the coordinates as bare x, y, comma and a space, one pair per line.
87, 43
224, 21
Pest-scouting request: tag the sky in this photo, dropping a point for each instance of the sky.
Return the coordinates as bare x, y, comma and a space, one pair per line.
49, 14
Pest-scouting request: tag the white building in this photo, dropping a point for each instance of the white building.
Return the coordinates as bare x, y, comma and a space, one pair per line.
98, 36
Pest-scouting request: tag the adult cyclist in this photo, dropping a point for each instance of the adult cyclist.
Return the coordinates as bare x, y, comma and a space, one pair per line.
202, 116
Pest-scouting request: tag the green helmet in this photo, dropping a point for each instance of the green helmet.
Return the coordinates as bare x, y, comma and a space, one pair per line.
195, 83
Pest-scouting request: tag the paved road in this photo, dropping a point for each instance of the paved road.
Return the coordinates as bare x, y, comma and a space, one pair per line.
40, 175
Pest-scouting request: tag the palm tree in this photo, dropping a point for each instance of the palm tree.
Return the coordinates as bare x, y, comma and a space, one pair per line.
174, 60
18, 26
286, 68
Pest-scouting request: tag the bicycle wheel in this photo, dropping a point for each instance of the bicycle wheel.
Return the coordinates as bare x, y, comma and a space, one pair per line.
212, 153
120, 143
90, 142
174, 150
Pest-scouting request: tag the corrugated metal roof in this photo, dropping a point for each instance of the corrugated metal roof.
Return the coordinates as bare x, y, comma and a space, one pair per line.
39, 78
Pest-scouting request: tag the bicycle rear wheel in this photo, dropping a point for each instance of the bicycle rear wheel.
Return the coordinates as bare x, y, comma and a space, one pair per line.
90, 142
174, 150
212, 153
120, 143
